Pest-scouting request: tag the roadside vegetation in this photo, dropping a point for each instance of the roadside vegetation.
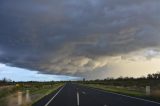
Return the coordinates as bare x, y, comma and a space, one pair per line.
9, 91
129, 86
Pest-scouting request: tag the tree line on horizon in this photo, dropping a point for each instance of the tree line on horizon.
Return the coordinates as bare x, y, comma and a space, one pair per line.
150, 79
153, 76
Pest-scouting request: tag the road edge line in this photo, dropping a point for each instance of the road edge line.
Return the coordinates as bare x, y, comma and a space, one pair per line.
136, 98
53, 97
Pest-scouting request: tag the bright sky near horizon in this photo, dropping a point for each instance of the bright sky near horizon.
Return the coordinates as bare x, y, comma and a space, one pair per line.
72, 39
19, 74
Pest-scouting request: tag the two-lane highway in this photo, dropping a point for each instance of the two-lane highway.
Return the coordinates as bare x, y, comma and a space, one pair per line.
75, 95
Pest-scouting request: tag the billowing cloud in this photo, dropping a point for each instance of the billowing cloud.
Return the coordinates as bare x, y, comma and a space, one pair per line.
76, 37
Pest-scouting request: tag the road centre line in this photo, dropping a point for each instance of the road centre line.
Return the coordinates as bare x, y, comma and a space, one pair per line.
77, 98
83, 92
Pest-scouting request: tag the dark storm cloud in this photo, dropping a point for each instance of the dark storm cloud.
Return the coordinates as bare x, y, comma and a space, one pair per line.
71, 36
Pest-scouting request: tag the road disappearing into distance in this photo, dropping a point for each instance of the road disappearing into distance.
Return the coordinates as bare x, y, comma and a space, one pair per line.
76, 95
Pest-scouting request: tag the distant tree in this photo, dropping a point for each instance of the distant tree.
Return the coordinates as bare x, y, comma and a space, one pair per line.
4, 80
120, 78
154, 76
149, 76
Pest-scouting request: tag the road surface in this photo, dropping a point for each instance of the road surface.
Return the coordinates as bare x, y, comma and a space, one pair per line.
75, 95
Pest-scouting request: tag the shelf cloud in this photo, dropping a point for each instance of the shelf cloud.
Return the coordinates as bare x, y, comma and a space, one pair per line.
77, 37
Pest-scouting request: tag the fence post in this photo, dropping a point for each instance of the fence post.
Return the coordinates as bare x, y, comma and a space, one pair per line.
19, 98
27, 96
148, 90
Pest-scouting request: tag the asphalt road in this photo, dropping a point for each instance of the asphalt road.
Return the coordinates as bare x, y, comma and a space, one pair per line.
68, 96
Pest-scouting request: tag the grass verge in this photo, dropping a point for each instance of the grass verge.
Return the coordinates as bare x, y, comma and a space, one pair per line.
8, 96
129, 91
38, 94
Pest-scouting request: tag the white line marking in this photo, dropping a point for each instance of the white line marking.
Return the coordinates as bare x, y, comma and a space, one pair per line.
83, 92
126, 96
77, 99
136, 98
53, 97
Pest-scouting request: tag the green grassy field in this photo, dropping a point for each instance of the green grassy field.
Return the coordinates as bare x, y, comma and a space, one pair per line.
40, 93
4, 92
8, 95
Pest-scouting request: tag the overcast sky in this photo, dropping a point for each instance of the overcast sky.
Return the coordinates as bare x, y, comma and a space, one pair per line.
80, 38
